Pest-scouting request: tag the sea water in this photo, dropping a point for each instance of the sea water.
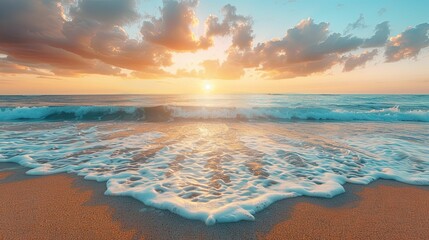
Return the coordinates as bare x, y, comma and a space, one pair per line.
220, 158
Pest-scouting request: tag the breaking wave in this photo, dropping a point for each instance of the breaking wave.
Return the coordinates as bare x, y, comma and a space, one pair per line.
171, 113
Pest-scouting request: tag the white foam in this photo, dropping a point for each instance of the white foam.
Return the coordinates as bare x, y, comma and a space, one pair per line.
221, 172
285, 113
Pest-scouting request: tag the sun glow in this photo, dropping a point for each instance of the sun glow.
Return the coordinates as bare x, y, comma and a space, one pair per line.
208, 87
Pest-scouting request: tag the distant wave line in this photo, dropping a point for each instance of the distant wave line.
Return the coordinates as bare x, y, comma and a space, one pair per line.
171, 113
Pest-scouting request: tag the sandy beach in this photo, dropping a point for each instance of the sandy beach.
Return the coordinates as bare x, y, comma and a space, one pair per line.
52, 208
67, 207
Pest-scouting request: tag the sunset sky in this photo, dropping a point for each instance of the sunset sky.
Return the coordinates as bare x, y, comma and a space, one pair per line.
246, 46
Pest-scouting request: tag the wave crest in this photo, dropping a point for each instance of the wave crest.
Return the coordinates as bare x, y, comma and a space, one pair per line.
171, 113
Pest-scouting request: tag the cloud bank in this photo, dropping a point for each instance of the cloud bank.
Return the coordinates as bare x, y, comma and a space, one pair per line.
78, 37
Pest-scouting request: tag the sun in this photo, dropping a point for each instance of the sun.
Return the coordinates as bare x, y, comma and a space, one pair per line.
208, 87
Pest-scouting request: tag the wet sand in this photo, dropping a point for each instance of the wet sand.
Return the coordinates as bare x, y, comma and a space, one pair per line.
65, 206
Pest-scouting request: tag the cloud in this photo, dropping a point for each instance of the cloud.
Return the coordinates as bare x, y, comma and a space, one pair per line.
91, 40
239, 53
152, 73
407, 44
382, 11
306, 49
358, 24
7, 67
89, 36
173, 28
111, 12
59, 61
23, 21
230, 69
72, 38
379, 39
239, 26
226, 70
355, 61
92, 67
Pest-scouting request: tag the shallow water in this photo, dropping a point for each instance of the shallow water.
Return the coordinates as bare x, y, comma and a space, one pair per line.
275, 108
221, 169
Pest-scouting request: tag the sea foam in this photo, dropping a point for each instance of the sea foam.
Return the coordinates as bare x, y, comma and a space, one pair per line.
221, 172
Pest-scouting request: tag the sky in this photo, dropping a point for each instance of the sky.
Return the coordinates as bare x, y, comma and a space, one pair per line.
206, 46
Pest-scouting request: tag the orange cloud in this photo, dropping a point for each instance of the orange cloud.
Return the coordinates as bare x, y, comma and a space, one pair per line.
173, 28
407, 44
40, 37
306, 49
93, 41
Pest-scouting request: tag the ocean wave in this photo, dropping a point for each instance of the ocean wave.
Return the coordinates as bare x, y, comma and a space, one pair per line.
170, 113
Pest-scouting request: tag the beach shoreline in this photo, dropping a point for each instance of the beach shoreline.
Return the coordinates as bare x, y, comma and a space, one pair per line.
65, 206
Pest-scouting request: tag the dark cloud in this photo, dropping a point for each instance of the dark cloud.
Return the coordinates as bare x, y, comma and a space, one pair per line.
355, 61
358, 24
23, 21
90, 40
407, 44
379, 39
113, 12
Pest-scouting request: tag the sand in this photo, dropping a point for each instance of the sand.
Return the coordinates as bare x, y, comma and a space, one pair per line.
67, 207
51, 208
385, 212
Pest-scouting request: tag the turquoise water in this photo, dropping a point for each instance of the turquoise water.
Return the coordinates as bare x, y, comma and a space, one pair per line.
241, 107
220, 158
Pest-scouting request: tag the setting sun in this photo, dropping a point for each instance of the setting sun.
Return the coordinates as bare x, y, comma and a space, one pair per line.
208, 87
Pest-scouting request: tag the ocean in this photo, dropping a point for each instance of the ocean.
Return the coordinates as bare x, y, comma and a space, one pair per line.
219, 158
